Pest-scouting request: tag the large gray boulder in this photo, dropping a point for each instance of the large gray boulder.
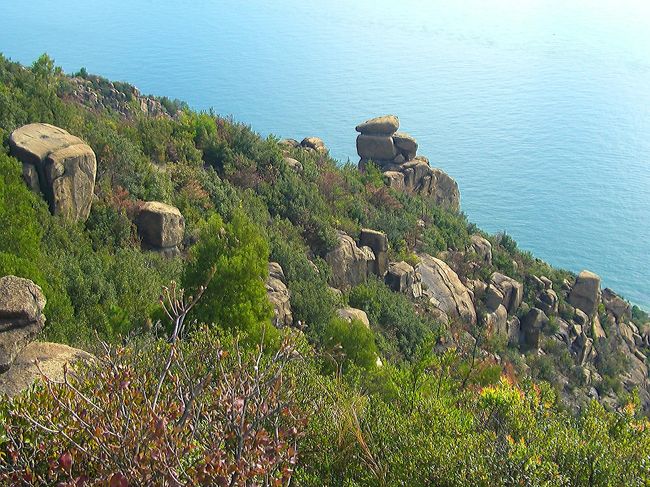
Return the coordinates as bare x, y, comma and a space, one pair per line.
376, 147
350, 264
444, 190
384, 125
21, 316
444, 289
497, 321
512, 290
531, 327
616, 305
406, 145
59, 165
585, 294
161, 227
402, 278
278, 294
378, 242
38, 359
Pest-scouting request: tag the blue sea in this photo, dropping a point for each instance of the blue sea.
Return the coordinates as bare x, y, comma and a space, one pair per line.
540, 109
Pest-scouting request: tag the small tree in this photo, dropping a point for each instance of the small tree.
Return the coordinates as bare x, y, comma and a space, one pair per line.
238, 256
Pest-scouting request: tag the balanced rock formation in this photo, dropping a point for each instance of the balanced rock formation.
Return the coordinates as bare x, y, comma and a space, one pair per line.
395, 153
585, 293
59, 165
402, 278
444, 289
278, 294
21, 316
350, 264
378, 242
161, 227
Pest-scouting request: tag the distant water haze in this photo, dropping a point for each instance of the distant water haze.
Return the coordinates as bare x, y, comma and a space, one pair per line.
539, 109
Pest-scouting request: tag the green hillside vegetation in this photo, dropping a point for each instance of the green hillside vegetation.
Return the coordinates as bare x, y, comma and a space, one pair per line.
241, 402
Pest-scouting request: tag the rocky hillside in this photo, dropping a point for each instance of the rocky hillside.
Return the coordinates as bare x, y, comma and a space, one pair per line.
329, 316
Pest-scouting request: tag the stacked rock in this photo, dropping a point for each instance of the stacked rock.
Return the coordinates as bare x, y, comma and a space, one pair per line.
396, 155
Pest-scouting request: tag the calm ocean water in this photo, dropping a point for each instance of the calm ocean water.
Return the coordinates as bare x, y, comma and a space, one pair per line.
539, 109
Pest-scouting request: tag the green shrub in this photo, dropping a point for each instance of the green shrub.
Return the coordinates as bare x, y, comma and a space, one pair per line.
232, 260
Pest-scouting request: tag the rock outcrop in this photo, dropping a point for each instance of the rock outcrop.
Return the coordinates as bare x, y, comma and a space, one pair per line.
512, 290
294, 164
444, 289
395, 154
378, 242
59, 165
350, 264
97, 93
402, 278
278, 294
616, 305
161, 227
585, 293
21, 316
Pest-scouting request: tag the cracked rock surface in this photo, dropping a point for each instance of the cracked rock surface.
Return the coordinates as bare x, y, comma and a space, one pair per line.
59, 165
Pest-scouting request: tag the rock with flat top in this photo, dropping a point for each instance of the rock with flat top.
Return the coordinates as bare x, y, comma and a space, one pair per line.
402, 278
59, 165
160, 226
378, 242
406, 145
585, 293
384, 125
376, 147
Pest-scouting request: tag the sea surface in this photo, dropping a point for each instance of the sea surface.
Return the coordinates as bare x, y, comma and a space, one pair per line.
540, 109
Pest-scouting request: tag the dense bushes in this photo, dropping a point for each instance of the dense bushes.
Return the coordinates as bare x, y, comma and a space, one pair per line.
400, 328
215, 414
